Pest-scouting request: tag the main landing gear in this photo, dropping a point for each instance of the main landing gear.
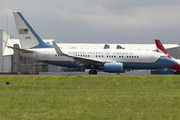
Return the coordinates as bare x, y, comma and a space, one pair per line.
93, 72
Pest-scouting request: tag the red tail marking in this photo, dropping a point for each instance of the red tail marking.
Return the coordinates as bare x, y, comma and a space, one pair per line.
161, 47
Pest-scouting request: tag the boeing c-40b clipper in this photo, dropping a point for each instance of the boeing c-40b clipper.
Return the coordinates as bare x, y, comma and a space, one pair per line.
108, 60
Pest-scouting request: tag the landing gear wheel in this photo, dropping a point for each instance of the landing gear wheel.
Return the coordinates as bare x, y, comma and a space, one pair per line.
92, 72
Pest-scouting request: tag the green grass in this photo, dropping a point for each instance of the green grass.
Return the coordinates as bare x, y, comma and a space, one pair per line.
86, 79
89, 97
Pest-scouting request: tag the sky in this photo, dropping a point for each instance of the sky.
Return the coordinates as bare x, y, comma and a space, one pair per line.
97, 21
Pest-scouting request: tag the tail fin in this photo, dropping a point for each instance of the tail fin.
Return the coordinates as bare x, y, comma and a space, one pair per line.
27, 36
160, 47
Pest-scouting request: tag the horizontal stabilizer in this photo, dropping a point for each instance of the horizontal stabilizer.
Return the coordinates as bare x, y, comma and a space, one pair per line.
20, 50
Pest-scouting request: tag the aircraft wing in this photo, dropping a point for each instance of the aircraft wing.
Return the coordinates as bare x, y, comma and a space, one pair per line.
20, 50
87, 61
80, 60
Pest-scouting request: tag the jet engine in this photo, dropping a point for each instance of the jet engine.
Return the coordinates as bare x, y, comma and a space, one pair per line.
113, 67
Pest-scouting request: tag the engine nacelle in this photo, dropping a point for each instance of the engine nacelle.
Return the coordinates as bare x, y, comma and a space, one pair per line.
113, 67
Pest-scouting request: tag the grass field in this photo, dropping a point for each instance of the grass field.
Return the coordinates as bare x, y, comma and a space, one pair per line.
90, 97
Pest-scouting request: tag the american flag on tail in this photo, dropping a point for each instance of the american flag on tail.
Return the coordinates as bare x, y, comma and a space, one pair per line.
23, 31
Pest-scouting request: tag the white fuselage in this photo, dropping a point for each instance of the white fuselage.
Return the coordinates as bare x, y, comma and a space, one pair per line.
106, 55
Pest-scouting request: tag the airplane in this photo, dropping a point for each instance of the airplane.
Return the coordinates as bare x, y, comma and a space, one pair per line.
161, 49
113, 61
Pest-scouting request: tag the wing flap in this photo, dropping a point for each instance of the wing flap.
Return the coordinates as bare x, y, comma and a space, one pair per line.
88, 61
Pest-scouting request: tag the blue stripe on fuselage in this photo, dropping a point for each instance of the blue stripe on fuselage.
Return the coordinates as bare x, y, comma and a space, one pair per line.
160, 63
42, 44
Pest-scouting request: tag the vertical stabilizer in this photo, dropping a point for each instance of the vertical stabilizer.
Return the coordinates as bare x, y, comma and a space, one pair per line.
160, 48
27, 36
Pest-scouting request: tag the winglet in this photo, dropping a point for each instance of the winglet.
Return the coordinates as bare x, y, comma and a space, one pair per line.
58, 50
160, 47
